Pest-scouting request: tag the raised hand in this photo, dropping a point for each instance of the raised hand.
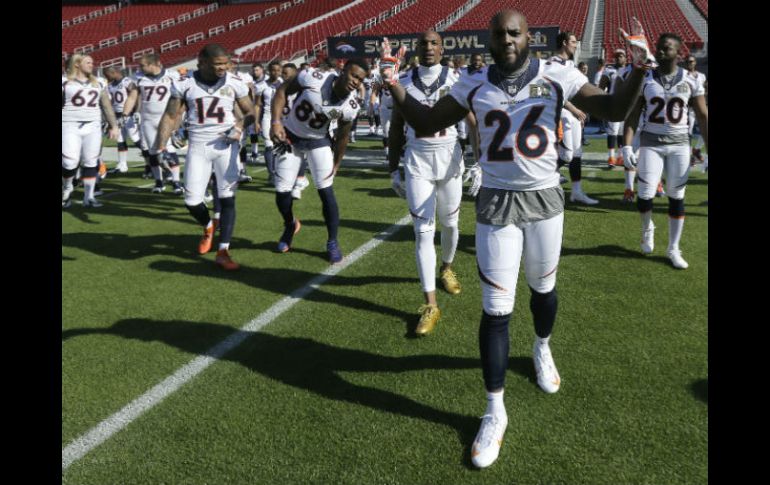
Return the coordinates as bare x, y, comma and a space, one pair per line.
390, 64
637, 44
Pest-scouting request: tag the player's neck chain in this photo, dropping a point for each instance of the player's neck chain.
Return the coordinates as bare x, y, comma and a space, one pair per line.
511, 85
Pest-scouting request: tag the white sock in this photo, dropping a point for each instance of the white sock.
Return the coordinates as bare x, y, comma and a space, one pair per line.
675, 227
122, 159
67, 183
224, 246
425, 253
612, 153
698, 142
88, 188
449, 238
576, 187
216, 215
156, 173
542, 341
646, 219
630, 179
495, 404
175, 173
211, 223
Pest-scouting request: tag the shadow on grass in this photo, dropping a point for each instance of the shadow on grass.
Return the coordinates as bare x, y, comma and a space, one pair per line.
306, 364
700, 389
612, 251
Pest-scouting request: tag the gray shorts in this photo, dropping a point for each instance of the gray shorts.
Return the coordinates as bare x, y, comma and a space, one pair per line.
502, 207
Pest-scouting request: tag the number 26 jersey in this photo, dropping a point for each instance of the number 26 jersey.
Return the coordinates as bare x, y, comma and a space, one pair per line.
518, 122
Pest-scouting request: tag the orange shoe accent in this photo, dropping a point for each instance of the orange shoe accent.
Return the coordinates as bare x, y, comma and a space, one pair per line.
205, 245
619, 161
102, 169
628, 195
611, 162
224, 261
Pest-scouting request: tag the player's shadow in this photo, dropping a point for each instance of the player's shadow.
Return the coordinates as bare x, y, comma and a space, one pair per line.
124, 246
374, 228
610, 201
286, 281
308, 365
612, 251
700, 389
384, 192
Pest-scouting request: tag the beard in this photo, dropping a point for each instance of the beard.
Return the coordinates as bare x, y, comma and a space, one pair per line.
506, 67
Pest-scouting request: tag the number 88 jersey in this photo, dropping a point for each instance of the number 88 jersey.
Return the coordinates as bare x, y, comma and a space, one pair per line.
209, 107
665, 103
316, 106
518, 122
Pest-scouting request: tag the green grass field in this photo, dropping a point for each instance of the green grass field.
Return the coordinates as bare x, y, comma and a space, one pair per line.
336, 390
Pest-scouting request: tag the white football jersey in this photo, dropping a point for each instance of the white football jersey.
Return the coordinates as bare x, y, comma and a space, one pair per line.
518, 122
429, 96
317, 105
665, 104
267, 94
209, 108
563, 62
245, 77
119, 93
697, 76
80, 100
611, 72
155, 92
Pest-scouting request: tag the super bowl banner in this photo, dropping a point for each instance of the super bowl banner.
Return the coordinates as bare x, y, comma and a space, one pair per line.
455, 42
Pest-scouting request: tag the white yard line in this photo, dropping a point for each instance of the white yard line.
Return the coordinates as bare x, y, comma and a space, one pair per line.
78, 448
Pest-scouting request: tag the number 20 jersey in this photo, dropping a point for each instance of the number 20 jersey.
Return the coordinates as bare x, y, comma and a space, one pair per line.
209, 107
316, 105
665, 105
518, 126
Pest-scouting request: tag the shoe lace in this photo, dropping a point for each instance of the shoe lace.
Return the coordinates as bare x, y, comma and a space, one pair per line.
448, 274
489, 425
544, 358
426, 309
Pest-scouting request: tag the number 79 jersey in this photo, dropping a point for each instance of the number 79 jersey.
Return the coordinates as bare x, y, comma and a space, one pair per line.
518, 122
317, 105
209, 108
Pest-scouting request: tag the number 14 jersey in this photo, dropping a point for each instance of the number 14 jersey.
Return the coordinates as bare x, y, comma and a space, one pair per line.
518, 122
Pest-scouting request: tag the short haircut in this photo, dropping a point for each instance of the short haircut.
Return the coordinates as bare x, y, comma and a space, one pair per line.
357, 62
669, 35
151, 58
211, 51
274, 63
564, 37
291, 65
581, 64
257, 64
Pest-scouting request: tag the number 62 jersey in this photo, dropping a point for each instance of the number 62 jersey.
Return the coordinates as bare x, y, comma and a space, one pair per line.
518, 122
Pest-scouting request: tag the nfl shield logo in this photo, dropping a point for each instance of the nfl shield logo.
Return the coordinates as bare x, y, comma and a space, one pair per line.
512, 89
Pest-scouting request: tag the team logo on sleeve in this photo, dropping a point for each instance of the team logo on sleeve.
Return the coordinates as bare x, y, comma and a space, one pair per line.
226, 91
683, 88
443, 91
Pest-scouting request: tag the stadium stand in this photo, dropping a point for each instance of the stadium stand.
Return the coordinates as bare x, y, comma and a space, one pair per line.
80, 14
417, 18
231, 26
702, 6
347, 22
569, 15
656, 16
126, 23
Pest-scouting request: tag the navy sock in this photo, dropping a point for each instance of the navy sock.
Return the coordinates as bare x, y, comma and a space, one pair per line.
215, 195
574, 169
227, 219
269, 162
331, 211
302, 168
200, 212
242, 154
284, 202
543, 306
493, 345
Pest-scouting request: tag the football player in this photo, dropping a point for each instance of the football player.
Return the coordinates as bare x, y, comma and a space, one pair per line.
152, 93
697, 156
246, 78
84, 99
573, 120
520, 207
120, 87
614, 128
304, 133
264, 95
433, 164
210, 97
258, 77
664, 143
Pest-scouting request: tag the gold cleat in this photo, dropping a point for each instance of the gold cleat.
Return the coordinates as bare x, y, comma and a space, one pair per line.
449, 280
429, 315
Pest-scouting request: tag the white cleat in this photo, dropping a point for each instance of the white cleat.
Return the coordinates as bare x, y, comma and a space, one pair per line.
92, 203
563, 179
675, 256
547, 376
489, 439
582, 198
648, 239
